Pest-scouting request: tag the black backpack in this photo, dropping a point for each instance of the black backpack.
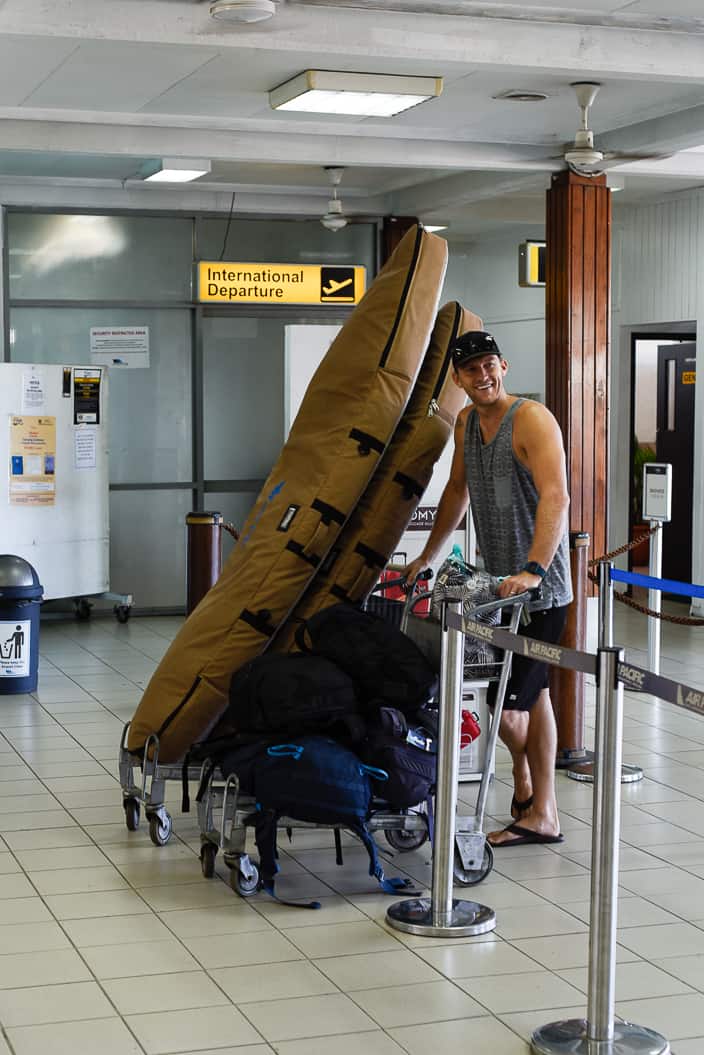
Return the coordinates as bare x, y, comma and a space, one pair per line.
382, 661
288, 695
407, 754
313, 779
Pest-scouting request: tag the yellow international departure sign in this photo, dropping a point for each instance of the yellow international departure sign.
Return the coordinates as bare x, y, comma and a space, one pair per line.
231, 283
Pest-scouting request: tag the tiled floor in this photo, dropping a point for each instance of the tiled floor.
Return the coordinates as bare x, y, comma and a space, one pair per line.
109, 944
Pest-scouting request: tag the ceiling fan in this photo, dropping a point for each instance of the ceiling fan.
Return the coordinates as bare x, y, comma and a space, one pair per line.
334, 219
582, 156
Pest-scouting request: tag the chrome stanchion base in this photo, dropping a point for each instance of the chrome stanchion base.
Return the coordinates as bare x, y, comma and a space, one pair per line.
585, 773
416, 917
570, 1038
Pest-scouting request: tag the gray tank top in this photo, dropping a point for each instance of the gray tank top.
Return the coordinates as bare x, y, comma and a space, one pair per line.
503, 500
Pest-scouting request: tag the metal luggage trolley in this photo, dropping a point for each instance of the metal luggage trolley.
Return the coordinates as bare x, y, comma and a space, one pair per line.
404, 830
143, 782
473, 855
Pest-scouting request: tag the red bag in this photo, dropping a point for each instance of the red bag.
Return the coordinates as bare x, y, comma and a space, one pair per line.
398, 591
469, 728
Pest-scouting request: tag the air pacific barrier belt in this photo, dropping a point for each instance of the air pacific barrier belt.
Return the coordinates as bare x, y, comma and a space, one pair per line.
632, 677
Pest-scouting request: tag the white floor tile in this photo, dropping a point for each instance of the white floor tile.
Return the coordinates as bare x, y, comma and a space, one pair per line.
167, 992
310, 1016
109, 1036
182, 1031
274, 981
36, 1005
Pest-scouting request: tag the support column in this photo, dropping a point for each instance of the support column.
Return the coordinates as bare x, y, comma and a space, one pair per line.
577, 309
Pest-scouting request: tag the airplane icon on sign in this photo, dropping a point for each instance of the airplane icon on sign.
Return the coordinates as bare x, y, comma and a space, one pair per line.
335, 287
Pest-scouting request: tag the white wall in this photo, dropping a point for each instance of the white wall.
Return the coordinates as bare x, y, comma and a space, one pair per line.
657, 286
483, 276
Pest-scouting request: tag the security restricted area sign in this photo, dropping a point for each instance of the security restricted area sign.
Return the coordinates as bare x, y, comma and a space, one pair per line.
233, 283
14, 648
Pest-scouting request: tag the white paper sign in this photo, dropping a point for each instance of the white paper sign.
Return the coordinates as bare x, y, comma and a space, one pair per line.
14, 649
125, 347
32, 392
85, 441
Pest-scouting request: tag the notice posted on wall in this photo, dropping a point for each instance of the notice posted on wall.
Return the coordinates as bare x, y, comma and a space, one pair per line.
124, 347
86, 395
85, 446
33, 392
32, 460
15, 648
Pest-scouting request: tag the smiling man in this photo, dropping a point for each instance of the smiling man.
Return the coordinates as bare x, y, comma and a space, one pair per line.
509, 463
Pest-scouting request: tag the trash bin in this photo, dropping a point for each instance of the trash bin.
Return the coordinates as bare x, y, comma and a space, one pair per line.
20, 599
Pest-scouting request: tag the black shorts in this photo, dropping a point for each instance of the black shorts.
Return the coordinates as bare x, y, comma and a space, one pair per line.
529, 676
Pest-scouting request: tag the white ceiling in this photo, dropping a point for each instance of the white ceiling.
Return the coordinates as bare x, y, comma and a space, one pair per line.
91, 91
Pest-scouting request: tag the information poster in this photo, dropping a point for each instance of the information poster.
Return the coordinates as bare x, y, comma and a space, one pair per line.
33, 392
86, 396
121, 346
85, 447
32, 461
15, 648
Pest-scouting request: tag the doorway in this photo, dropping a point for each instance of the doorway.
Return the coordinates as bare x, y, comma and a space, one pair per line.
664, 374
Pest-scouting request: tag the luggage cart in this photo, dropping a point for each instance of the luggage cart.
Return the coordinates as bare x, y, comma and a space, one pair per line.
405, 830
143, 782
473, 857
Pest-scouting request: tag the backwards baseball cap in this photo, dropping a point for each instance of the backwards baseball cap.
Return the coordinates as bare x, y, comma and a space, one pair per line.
472, 344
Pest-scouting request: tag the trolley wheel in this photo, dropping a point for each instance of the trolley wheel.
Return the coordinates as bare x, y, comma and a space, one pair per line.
208, 853
122, 612
131, 808
82, 609
242, 885
472, 876
404, 841
160, 826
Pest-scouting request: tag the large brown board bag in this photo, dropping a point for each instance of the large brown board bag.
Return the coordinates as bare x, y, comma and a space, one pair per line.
382, 514
346, 420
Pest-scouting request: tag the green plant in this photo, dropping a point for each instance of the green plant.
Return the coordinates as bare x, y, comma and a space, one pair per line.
642, 453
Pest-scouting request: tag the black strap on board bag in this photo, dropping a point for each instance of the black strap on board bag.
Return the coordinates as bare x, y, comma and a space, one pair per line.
385, 665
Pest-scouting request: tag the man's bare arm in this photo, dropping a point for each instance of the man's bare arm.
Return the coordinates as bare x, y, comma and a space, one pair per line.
537, 443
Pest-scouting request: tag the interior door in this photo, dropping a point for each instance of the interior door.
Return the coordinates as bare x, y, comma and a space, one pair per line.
675, 444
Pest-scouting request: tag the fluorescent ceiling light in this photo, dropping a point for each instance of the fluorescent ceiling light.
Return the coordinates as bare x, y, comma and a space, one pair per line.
242, 10
179, 170
432, 229
355, 94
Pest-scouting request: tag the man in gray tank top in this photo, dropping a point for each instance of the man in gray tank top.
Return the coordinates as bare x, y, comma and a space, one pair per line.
509, 462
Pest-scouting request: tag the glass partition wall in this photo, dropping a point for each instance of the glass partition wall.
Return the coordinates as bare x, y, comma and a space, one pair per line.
202, 424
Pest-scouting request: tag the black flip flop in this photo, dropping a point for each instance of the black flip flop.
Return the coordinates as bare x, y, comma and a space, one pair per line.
525, 836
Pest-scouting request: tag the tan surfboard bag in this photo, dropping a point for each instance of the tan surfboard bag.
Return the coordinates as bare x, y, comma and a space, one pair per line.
346, 420
385, 509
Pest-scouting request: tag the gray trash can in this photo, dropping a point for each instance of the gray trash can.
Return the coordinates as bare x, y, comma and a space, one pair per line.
20, 601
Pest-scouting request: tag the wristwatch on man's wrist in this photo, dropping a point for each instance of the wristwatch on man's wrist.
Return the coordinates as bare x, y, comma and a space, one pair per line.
533, 568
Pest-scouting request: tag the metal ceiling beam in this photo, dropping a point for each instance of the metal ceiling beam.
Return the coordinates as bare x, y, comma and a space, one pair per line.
329, 35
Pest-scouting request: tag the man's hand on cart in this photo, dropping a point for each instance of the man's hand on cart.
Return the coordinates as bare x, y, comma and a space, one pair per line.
415, 569
520, 583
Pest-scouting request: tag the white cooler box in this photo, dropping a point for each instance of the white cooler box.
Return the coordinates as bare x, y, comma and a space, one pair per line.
473, 757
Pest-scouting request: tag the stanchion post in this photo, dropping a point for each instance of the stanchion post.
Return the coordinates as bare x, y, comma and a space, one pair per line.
204, 560
606, 605
441, 915
599, 1034
585, 772
655, 597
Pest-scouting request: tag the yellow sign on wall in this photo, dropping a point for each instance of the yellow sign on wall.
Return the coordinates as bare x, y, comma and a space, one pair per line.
689, 377
231, 283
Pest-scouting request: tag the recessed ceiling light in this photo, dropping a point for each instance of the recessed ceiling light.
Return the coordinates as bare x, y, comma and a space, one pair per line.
521, 95
242, 10
355, 94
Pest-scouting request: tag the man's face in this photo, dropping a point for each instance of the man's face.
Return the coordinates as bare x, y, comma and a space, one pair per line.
482, 379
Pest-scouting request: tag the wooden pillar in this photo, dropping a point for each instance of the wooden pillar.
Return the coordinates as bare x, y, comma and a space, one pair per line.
577, 301
392, 231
